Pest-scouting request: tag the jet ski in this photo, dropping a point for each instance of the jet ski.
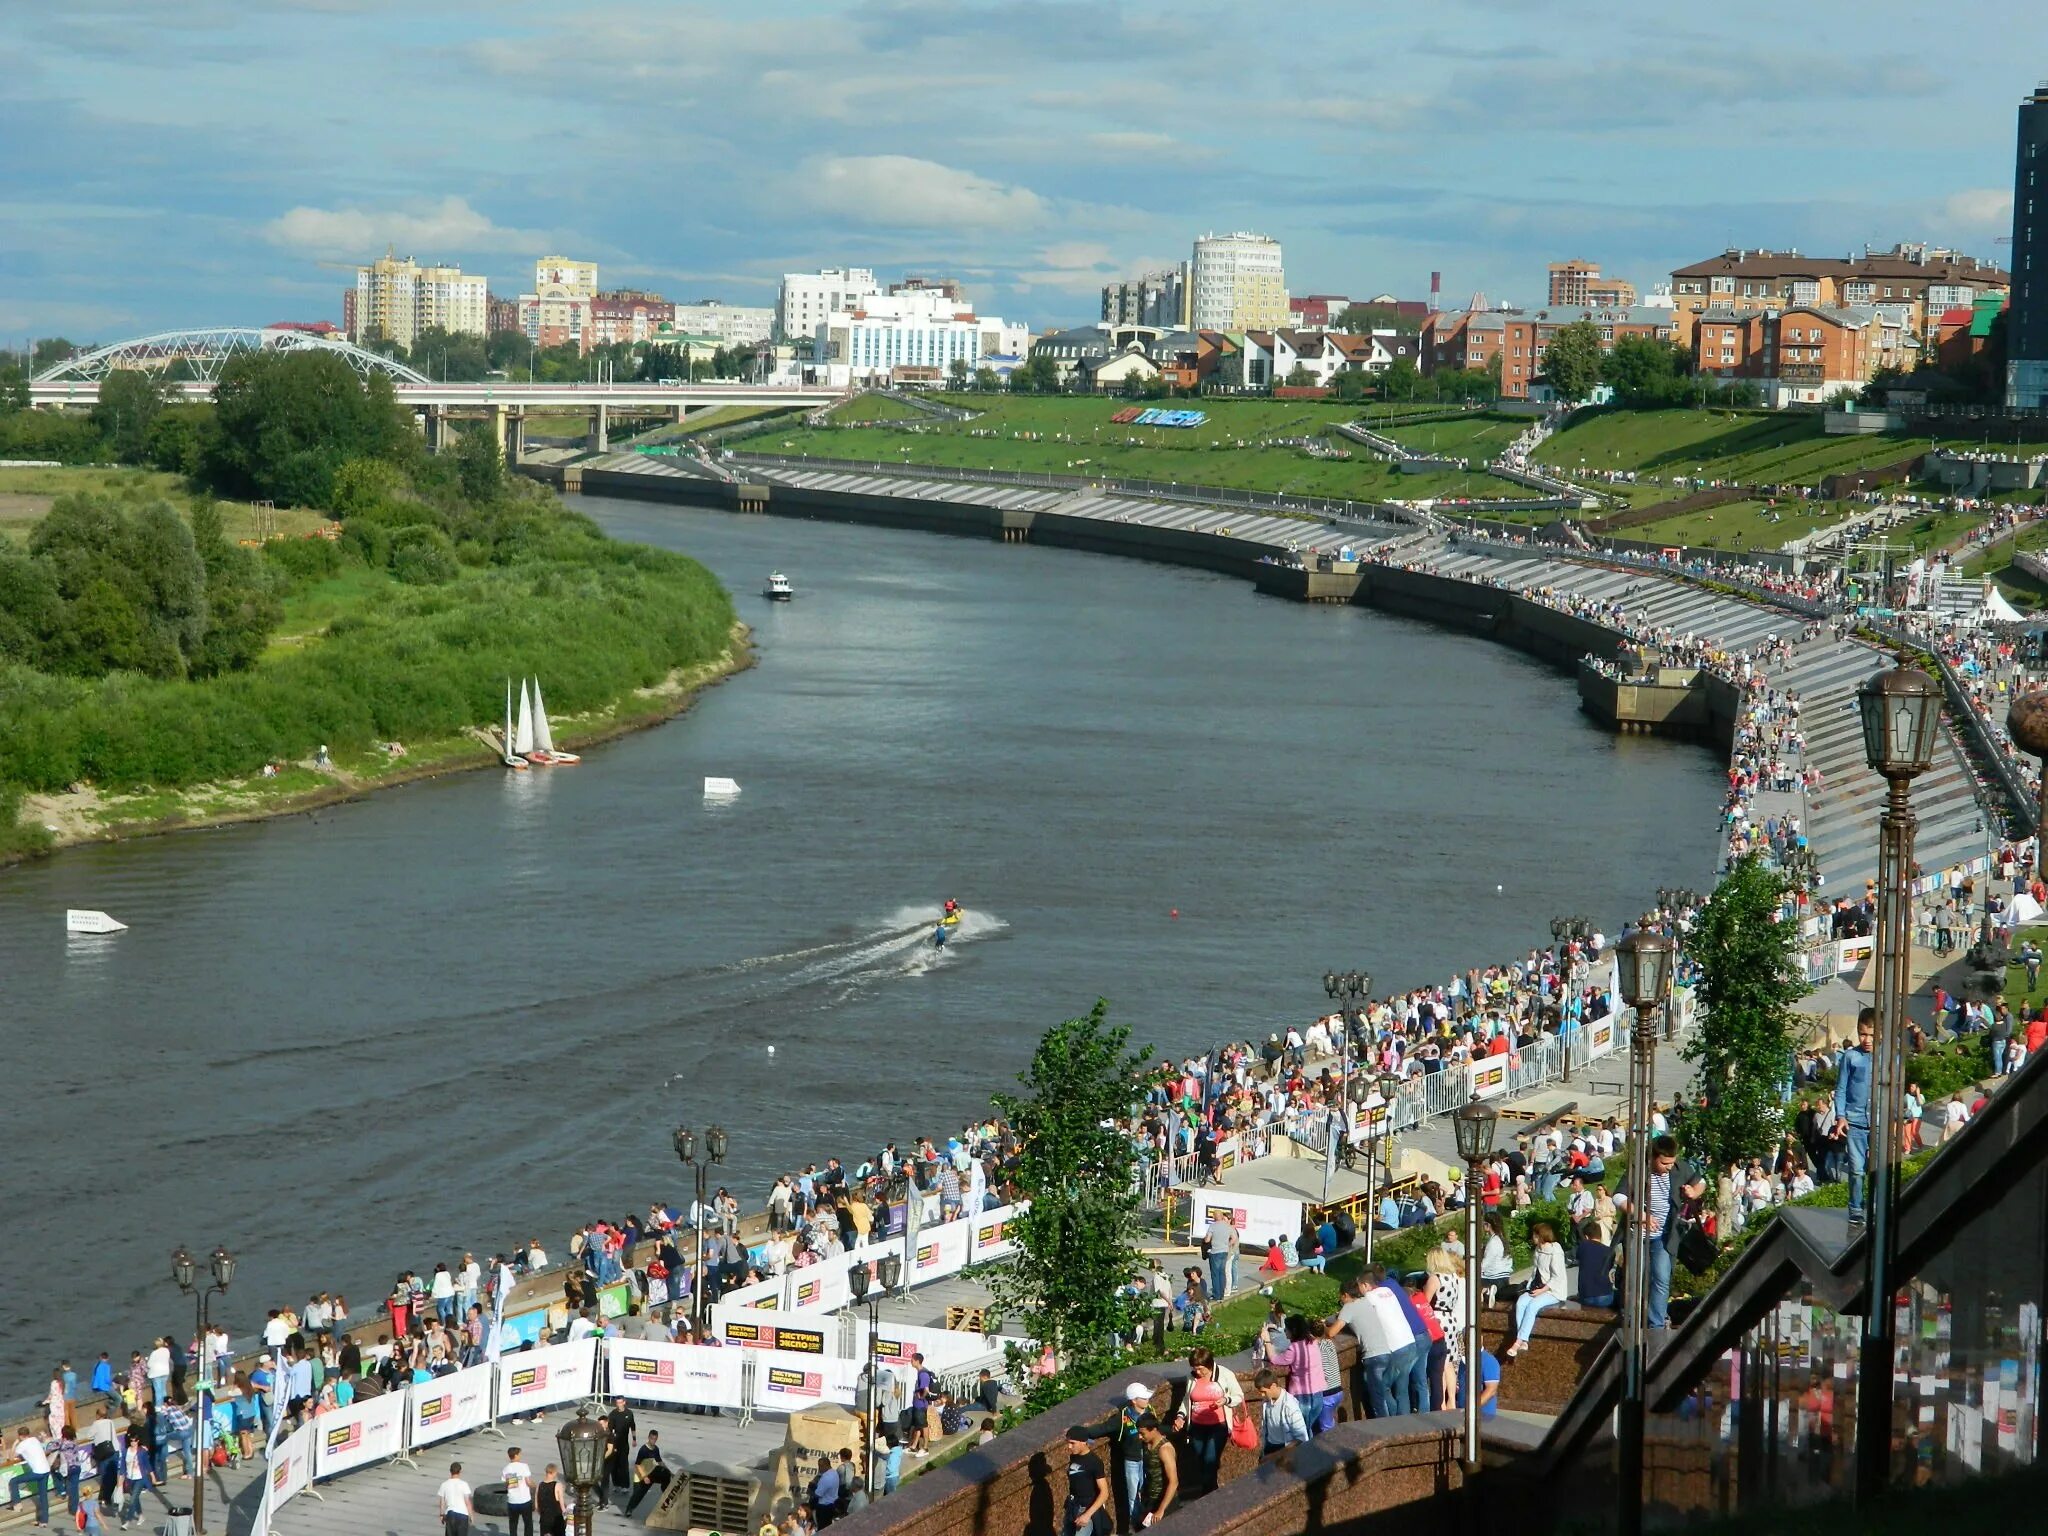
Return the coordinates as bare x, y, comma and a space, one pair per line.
949, 919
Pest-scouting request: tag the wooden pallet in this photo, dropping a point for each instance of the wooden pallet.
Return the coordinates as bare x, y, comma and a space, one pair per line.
967, 1319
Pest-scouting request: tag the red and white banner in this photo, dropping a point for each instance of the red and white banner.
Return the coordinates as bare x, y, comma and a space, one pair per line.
762, 1293
370, 1430
534, 1378
1489, 1077
790, 1383
944, 1349
940, 1251
1259, 1218
698, 1374
448, 1405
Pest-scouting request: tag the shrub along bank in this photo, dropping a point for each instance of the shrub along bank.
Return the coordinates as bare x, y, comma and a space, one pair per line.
139, 647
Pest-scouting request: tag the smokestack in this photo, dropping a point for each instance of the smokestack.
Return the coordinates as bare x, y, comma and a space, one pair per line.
1436, 288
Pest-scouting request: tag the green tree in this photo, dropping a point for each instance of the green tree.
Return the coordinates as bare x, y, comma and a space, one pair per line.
1350, 385
1401, 381
50, 351
1571, 363
1036, 375
1646, 372
1362, 319
956, 373
1742, 1051
987, 379
13, 389
1077, 1244
481, 464
1298, 377
242, 608
287, 421
129, 403
178, 439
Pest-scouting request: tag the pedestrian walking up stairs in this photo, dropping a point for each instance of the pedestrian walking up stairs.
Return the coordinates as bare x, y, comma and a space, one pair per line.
1841, 821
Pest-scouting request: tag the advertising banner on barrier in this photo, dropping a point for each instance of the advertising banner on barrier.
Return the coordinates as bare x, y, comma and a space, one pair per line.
1229, 1153
291, 1466
674, 1373
991, 1237
1259, 1218
818, 1287
613, 1300
1489, 1077
944, 1349
1855, 952
802, 1333
534, 1378
787, 1383
371, 1430
1599, 1037
941, 1251
448, 1405
762, 1293
522, 1328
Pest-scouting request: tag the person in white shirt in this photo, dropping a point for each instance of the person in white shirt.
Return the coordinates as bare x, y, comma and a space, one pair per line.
276, 1331
34, 1477
518, 1480
159, 1369
468, 1280
456, 1502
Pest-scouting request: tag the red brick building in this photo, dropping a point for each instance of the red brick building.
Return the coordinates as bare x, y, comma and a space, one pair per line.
1800, 356
1525, 337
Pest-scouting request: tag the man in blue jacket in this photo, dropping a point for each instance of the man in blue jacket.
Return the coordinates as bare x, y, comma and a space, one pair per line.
1853, 1079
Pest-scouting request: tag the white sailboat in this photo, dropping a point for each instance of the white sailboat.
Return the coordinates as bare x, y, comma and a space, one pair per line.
508, 740
544, 751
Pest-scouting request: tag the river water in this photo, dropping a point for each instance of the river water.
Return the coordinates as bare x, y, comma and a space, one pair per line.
470, 1011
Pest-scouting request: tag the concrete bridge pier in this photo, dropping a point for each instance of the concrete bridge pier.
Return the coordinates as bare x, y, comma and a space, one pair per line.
508, 423
600, 428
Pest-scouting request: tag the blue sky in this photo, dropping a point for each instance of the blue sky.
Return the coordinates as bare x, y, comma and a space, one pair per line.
187, 162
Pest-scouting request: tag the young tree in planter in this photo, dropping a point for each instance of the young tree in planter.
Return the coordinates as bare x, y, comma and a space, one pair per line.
1077, 1244
1742, 1051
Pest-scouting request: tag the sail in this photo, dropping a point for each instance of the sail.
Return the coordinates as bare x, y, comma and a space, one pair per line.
522, 742
543, 738
507, 738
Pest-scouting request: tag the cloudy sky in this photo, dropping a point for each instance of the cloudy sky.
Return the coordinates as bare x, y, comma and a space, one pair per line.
195, 162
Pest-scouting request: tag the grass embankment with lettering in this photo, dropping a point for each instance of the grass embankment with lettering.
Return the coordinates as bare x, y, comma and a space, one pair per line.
1256, 445
157, 669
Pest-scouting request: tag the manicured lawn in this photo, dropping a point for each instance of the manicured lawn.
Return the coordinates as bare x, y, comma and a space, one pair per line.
1740, 525
1475, 438
1237, 446
874, 408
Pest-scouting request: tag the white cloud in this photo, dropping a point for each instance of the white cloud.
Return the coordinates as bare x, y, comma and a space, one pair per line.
1979, 208
428, 230
903, 191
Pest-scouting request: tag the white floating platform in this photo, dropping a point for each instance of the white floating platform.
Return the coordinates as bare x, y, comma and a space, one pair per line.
80, 920
721, 788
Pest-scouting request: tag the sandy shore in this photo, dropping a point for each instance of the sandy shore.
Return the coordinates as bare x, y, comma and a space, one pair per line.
88, 816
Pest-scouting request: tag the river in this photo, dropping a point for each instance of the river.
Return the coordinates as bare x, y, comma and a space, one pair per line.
470, 1011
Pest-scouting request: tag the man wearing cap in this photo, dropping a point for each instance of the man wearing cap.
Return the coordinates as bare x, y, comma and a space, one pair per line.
1087, 1486
1127, 1449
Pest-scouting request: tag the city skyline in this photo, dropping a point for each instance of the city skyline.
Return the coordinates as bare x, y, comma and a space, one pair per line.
199, 170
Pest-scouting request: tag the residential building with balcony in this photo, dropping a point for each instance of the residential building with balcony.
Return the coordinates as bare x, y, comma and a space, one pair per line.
396, 298
1799, 356
1912, 285
1460, 338
1579, 284
1240, 283
1526, 336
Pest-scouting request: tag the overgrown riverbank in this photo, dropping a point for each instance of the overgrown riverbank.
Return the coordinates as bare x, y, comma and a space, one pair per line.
154, 673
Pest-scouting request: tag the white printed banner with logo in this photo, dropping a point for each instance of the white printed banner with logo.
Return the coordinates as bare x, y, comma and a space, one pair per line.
449, 1405
1599, 1038
790, 1383
367, 1431
291, 1466
940, 1251
803, 1333
1259, 1218
674, 1373
819, 1287
944, 1349
534, 1378
1489, 1077
990, 1234
762, 1293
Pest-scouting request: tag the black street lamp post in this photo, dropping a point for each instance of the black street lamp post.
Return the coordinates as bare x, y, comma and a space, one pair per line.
685, 1142
1474, 1124
581, 1444
1644, 962
221, 1268
888, 1270
1901, 712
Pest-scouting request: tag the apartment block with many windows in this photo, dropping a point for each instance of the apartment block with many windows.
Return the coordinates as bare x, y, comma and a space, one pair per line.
1911, 285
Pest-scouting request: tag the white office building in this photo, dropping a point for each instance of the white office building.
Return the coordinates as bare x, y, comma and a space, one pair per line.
912, 337
1239, 284
808, 298
735, 325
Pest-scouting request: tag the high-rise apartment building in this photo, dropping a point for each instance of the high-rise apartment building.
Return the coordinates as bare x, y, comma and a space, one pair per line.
558, 311
396, 298
1579, 284
1151, 298
2026, 334
627, 315
1239, 284
806, 298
